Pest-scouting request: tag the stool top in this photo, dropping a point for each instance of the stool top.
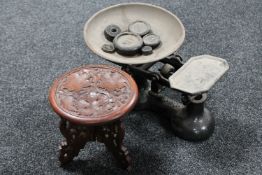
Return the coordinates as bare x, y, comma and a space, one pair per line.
93, 94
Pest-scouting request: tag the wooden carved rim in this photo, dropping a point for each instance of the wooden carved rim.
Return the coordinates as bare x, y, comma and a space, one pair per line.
93, 94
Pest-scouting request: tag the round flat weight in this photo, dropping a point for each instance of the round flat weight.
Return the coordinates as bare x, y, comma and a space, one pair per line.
147, 50
109, 48
151, 40
128, 43
111, 32
139, 27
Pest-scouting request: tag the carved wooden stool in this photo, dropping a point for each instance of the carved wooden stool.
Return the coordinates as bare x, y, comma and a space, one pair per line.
91, 101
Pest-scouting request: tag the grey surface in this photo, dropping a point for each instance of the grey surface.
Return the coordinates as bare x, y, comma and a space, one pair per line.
199, 74
41, 39
160, 20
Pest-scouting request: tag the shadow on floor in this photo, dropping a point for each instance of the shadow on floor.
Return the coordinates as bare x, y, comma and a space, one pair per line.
229, 146
146, 162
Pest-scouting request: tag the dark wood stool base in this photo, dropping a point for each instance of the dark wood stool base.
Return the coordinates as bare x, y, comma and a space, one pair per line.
91, 101
111, 134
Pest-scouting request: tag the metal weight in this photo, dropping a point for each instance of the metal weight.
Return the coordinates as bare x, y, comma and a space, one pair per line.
109, 48
139, 27
151, 40
147, 50
128, 43
111, 32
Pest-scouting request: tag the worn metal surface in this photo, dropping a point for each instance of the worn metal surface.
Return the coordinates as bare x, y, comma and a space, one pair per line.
198, 74
151, 40
169, 28
128, 43
193, 122
190, 120
139, 27
111, 32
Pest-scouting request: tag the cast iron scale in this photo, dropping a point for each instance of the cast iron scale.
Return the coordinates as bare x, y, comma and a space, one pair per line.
193, 79
92, 100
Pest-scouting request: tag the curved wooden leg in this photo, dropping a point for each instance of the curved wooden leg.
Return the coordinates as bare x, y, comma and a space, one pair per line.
75, 141
112, 136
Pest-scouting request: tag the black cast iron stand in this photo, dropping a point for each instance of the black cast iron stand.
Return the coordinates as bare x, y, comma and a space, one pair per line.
190, 120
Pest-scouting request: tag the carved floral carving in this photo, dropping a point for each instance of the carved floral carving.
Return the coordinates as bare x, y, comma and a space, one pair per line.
92, 92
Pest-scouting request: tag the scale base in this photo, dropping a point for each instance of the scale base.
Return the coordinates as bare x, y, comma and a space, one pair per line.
192, 122
193, 127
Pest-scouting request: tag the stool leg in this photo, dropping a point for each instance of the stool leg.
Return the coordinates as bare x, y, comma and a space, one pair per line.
75, 141
112, 136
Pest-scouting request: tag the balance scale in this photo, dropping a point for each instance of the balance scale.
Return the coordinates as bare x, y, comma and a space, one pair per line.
189, 118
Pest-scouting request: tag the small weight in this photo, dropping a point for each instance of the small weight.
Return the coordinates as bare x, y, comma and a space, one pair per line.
139, 27
111, 32
128, 43
151, 40
109, 48
147, 50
